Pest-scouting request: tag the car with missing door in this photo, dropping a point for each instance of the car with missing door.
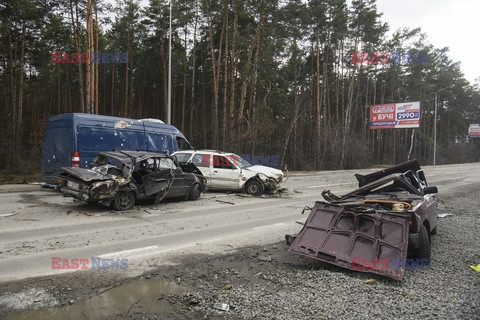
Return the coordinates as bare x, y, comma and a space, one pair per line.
228, 171
119, 178
392, 214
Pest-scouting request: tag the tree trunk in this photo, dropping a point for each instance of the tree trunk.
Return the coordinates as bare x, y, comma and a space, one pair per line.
215, 73
13, 109
194, 60
223, 127
19, 120
90, 49
233, 76
76, 35
96, 64
247, 71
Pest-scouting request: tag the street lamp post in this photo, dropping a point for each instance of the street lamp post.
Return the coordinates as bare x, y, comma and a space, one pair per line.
435, 126
169, 112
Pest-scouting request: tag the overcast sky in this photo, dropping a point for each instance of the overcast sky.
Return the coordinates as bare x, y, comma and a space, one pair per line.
447, 23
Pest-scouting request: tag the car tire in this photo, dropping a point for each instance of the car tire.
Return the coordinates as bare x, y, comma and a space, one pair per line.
423, 251
124, 200
195, 192
254, 188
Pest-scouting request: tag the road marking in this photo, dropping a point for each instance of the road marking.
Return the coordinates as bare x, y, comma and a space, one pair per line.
329, 185
278, 224
127, 252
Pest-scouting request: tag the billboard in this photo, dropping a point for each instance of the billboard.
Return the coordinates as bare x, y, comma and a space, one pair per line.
474, 130
395, 115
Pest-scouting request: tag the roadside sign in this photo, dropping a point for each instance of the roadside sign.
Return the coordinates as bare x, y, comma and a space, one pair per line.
395, 115
474, 130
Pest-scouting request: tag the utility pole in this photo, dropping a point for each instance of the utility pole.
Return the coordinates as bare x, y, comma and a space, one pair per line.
435, 126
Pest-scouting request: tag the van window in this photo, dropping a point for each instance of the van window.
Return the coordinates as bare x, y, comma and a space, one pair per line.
159, 142
101, 139
182, 157
56, 140
183, 144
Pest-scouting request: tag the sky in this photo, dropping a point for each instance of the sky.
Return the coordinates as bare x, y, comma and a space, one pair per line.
447, 23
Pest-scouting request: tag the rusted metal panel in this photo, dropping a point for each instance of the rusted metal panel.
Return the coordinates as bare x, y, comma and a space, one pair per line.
355, 239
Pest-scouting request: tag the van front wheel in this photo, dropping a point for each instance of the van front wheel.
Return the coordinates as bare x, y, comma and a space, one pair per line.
124, 200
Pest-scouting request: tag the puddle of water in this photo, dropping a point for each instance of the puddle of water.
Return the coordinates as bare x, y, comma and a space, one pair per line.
139, 296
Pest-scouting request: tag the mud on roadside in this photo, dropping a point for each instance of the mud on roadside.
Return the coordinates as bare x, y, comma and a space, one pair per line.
187, 290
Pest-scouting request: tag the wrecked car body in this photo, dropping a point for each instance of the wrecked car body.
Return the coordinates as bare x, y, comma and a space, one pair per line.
228, 171
119, 178
372, 229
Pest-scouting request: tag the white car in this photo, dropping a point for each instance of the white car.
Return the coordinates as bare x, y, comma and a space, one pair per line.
228, 171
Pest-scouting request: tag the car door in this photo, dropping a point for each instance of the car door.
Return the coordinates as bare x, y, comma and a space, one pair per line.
225, 175
182, 181
203, 162
156, 180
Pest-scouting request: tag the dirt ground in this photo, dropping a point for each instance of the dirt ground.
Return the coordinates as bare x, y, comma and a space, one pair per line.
7, 177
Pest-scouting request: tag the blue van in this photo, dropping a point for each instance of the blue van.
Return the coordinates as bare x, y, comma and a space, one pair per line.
74, 139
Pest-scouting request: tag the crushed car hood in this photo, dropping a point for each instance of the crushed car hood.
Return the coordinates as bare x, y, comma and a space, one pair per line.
190, 168
87, 174
337, 235
268, 171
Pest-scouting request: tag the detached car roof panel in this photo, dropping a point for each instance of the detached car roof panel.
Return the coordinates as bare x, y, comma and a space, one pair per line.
336, 235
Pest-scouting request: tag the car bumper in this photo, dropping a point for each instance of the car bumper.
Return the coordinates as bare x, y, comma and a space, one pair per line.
81, 195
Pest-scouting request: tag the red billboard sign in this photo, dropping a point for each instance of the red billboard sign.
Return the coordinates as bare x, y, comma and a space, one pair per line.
395, 115
474, 131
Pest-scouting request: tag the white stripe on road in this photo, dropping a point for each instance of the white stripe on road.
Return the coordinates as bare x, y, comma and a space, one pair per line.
127, 252
278, 224
330, 185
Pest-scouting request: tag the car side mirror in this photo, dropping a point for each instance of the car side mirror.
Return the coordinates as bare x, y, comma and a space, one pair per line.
430, 190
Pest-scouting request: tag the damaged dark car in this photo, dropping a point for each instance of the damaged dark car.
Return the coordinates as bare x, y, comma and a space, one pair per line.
383, 227
119, 178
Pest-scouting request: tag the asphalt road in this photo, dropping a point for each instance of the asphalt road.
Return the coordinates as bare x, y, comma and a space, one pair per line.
37, 224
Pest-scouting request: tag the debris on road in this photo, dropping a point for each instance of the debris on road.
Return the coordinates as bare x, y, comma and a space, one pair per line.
444, 215
476, 268
221, 306
4, 215
228, 202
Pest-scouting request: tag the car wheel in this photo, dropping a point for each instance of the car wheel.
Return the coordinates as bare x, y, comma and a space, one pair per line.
423, 251
194, 192
124, 200
254, 188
